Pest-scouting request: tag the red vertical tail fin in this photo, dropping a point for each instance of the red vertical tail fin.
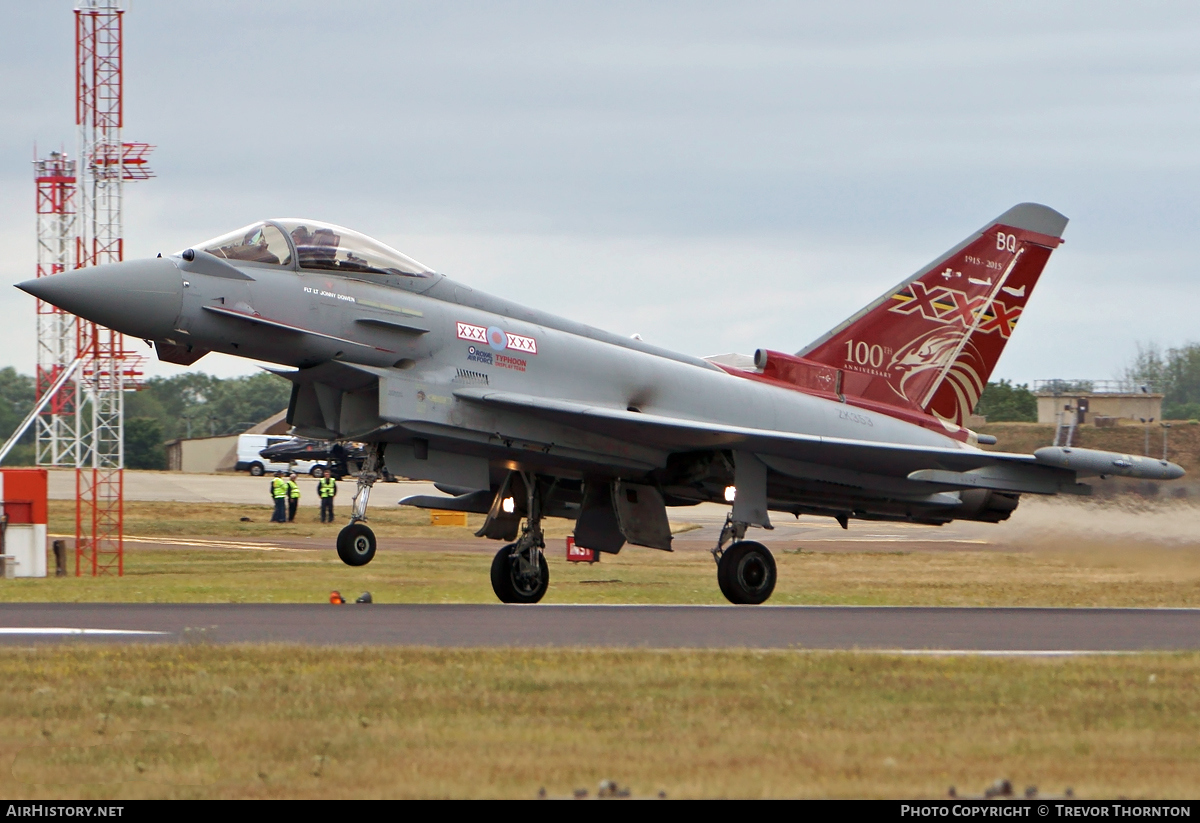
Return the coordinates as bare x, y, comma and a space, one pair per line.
930, 343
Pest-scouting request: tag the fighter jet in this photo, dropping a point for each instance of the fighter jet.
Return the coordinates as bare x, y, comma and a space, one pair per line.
518, 414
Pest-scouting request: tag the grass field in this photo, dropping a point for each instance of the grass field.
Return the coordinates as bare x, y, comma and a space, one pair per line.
226, 520
204, 721
1117, 566
88, 721
1152, 578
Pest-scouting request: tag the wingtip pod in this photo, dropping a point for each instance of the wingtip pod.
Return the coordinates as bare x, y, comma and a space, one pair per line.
1085, 462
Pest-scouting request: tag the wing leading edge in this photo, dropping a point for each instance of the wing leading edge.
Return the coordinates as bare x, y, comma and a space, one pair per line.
1049, 471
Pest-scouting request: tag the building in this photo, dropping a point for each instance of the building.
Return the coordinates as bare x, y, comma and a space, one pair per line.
217, 454
1099, 402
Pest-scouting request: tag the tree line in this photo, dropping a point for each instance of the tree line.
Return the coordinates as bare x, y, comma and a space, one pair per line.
1172, 372
1175, 372
193, 404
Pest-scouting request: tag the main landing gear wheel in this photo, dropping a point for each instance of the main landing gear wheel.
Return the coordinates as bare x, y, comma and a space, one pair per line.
746, 573
356, 544
514, 579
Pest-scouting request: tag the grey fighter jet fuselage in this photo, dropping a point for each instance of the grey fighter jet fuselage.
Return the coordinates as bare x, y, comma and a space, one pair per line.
522, 414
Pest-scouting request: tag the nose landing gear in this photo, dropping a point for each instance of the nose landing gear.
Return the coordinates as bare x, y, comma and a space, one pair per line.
746, 570
356, 542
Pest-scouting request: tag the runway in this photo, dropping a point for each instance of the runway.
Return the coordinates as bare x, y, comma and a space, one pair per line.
917, 629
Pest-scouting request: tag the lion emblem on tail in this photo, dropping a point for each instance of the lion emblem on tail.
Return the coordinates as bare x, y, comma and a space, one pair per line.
917, 370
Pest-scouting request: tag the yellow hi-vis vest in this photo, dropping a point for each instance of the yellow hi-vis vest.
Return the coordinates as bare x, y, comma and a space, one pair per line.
326, 487
278, 487
293, 489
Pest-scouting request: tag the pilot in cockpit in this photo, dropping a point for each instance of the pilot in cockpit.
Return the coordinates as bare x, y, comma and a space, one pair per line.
301, 237
254, 248
317, 249
324, 247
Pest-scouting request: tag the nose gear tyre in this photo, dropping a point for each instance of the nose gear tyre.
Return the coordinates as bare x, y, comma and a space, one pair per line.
356, 545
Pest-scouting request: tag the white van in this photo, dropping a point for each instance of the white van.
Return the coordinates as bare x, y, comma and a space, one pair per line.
249, 459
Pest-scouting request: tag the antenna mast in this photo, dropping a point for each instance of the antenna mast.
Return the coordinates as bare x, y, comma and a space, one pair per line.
83, 426
55, 429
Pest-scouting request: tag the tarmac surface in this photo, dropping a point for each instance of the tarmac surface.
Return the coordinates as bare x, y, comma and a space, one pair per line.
1034, 631
1001, 631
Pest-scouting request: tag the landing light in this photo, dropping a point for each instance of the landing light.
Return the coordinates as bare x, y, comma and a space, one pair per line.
508, 505
730, 493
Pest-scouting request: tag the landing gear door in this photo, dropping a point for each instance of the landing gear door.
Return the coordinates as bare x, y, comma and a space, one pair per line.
502, 525
642, 515
597, 526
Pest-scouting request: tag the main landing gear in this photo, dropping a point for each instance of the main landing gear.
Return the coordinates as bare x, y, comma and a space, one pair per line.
356, 542
745, 570
519, 570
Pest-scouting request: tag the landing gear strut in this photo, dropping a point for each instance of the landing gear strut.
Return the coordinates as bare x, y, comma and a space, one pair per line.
356, 542
519, 571
745, 570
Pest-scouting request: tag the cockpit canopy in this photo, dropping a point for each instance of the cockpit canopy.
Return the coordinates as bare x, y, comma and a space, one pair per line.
256, 243
312, 245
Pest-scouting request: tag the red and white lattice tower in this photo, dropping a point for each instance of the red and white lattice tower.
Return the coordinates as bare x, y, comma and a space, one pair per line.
55, 429
108, 369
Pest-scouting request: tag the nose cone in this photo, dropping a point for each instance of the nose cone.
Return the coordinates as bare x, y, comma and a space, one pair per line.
141, 298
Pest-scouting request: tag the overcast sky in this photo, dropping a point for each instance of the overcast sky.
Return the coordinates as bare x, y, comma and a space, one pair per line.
715, 177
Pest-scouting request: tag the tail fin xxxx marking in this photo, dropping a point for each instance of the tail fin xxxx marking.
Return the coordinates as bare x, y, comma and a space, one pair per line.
930, 343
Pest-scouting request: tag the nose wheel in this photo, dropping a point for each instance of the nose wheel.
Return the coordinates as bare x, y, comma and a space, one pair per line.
356, 544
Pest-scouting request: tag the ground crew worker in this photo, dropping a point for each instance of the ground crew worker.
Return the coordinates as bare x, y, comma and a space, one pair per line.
279, 495
327, 490
293, 490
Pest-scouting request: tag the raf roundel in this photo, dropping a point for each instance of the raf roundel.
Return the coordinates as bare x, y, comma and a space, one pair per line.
497, 339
